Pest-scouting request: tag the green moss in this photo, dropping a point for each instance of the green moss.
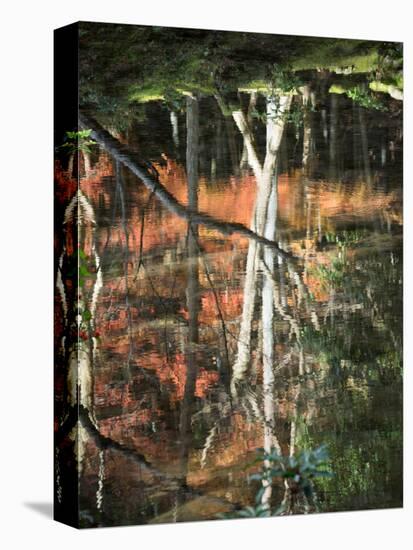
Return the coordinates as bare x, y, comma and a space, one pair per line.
143, 95
378, 86
337, 89
330, 54
394, 91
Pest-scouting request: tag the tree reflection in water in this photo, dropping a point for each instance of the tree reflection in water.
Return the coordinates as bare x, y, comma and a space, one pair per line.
249, 297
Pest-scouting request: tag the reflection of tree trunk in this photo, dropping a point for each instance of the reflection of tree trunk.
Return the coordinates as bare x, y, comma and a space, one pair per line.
251, 107
333, 136
213, 169
220, 145
268, 336
324, 125
87, 163
283, 160
383, 153
78, 350
249, 143
356, 141
232, 143
192, 150
192, 159
308, 232
244, 338
78, 299
119, 183
263, 175
307, 130
101, 480
71, 164
364, 144
175, 129
283, 292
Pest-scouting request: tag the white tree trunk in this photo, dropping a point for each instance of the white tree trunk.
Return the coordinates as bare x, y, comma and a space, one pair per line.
175, 129
263, 175
268, 336
307, 129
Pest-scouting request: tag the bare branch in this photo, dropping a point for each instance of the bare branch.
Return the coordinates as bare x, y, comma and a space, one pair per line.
124, 155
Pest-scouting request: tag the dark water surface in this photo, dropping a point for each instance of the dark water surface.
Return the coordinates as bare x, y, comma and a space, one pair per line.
208, 346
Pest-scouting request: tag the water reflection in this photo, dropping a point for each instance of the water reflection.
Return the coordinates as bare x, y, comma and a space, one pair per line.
190, 345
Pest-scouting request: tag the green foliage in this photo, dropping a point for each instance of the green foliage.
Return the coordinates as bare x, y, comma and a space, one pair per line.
390, 365
334, 53
299, 471
81, 134
283, 78
86, 315
365, 98
369, 462
83, 271
281, 81
174, 100
77, 141
123, 66
347, 237
390, 63
294, 116
332, 276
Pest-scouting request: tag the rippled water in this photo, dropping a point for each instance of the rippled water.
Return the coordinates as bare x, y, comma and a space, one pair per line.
322, 337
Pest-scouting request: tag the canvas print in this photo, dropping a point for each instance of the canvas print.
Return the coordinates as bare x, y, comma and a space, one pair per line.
228, 274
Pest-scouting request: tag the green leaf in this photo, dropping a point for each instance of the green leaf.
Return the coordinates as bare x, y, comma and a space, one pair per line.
259, 495
83, 271
86, 315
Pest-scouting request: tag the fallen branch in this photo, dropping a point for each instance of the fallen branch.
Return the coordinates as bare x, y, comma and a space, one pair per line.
125, 156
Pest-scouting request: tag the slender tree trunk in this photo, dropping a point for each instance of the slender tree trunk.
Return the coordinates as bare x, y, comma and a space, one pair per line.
333, 136
220, 147
263, 175
175, 128
249, 143
192, 293
70, 165
364, 144
119, 183
307, 130
87, 163
251, 107
383, 153
232, 143
356, 140
324, 125
268, 335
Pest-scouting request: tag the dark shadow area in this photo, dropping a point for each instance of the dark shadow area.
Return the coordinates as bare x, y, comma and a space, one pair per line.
43, 508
